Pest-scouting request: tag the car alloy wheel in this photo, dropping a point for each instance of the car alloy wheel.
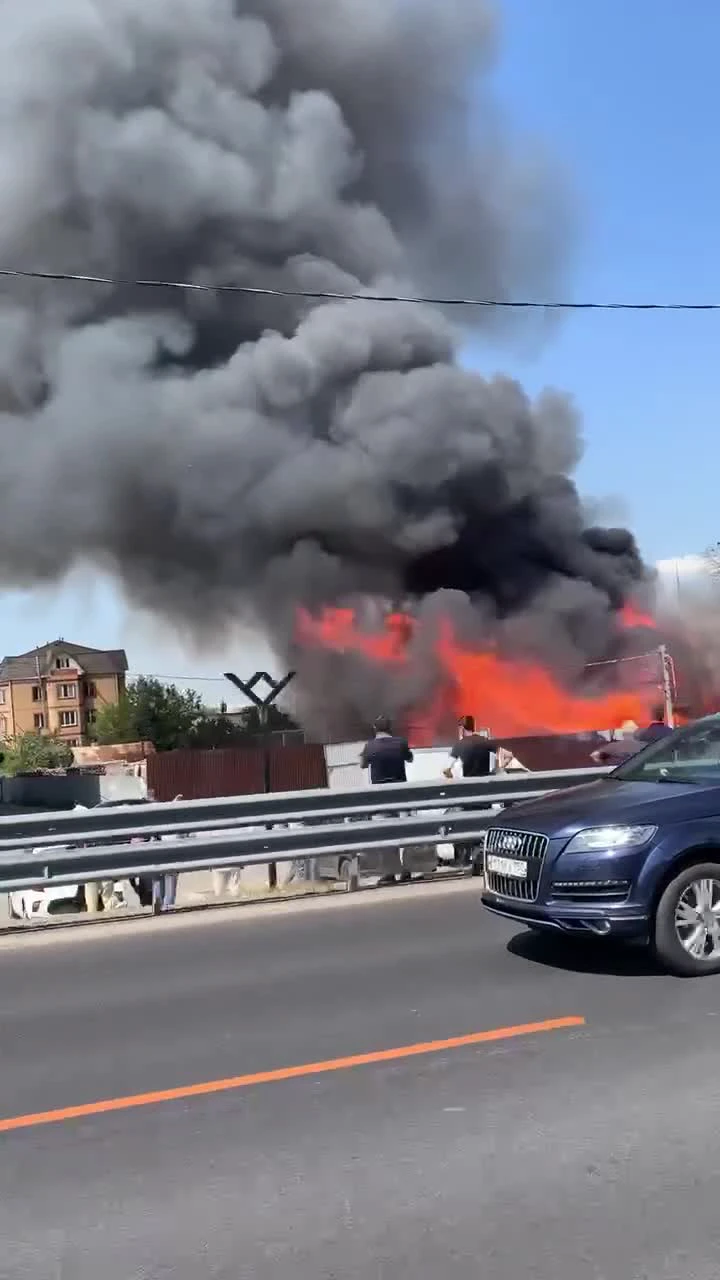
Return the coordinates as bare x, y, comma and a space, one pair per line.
697, 919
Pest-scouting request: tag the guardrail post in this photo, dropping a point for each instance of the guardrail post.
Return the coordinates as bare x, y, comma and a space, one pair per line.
92, 898
353, 883
272, 866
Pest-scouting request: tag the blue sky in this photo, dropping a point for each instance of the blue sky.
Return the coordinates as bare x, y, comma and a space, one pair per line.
625, 94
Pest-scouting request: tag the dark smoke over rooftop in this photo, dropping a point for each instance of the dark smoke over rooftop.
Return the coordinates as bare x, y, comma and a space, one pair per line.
223, 454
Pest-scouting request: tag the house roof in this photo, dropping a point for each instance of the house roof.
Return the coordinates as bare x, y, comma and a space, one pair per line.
93, 662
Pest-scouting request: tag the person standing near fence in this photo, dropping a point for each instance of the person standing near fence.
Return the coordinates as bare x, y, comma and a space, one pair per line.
474, 753
386, 757
619, 750
164, 892
164, 886
656, 729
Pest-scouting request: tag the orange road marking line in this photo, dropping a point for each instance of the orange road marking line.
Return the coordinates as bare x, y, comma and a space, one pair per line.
282, 1073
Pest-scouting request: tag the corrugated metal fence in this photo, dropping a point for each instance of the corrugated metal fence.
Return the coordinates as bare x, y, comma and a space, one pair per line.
297, 768
235, 771
200, 775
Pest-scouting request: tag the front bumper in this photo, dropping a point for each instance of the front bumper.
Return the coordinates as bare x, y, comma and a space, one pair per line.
622, 920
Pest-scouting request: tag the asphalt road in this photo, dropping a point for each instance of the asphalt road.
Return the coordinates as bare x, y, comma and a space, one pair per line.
582, 1154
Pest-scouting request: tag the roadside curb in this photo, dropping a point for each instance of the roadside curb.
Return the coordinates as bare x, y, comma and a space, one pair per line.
255, 908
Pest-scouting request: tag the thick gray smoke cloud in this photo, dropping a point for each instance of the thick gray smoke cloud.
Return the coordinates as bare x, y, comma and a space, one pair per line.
227, 454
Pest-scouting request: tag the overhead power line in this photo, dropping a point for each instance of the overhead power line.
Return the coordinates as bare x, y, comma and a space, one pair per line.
327, 295
168, 679
630, 657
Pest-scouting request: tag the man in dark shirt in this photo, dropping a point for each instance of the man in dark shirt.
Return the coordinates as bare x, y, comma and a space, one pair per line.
386, 756
473, 751
618, 752
656, 729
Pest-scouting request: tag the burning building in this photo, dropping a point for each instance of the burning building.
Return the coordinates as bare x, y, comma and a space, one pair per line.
256, 446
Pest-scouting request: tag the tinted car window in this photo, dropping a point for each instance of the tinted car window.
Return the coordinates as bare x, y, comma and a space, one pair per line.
690, 755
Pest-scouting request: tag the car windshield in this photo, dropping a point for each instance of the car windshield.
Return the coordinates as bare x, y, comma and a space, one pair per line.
690, 755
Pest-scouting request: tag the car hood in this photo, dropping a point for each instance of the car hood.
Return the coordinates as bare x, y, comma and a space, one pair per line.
612, 801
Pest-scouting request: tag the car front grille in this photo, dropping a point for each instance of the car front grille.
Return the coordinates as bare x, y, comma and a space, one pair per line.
521, 846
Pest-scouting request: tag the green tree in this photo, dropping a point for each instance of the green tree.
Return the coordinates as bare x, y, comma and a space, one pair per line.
256, 722
115, 723
150, 712
170, 717
30, 751
246, 728
216, 731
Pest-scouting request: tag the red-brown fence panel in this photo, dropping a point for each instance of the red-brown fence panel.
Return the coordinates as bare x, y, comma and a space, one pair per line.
297, 768
555, 751
201, 775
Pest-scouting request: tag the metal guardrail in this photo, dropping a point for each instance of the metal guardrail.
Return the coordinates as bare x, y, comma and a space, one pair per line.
288, 806
122, 861
34, 852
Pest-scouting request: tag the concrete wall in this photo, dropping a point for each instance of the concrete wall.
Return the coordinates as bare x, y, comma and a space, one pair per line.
121, 785
51, 792
343, 768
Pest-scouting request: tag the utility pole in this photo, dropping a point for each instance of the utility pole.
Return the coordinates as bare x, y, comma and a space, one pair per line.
263, 705
666, 667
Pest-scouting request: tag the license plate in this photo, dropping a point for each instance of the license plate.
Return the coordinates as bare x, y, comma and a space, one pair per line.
507, 867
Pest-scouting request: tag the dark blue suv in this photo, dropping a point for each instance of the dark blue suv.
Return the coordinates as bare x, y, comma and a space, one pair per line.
635, 855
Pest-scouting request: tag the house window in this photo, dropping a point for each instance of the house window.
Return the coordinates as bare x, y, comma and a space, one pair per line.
2, 697
61, 664
91, 716
73, 742
3, 727
89, 690
36, 693
68, 719
38, 720
68, 691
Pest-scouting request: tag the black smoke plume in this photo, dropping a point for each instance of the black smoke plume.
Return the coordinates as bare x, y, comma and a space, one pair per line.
229, 455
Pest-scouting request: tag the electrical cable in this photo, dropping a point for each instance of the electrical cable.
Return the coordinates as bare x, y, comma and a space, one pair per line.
326, 295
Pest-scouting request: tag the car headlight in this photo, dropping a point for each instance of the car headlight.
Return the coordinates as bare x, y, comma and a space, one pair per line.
610, 839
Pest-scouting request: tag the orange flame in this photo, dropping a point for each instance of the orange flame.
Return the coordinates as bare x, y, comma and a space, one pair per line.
633, 618
337, 629
514, 698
